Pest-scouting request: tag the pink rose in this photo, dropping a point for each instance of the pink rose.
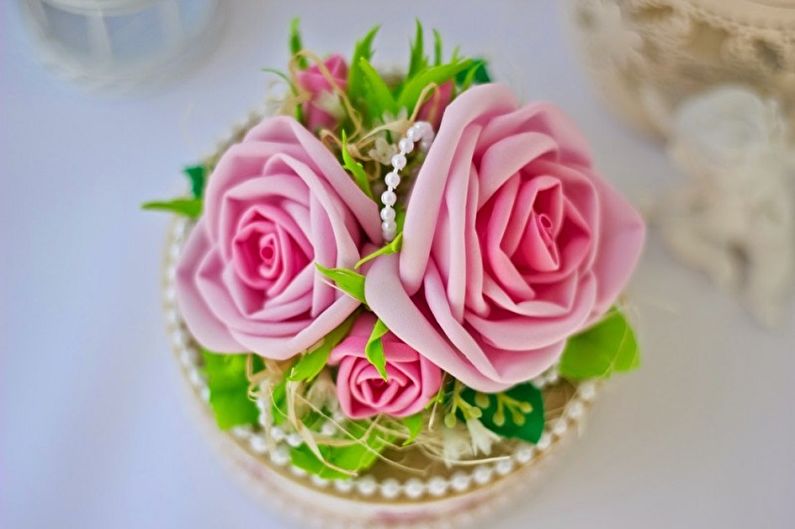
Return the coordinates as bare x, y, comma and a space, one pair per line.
526, 246
433, 109
317, 113
275, 204
411, 378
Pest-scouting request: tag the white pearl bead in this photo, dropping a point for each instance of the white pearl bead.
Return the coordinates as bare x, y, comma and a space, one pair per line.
258, 444
388, 226
587, 391
277, 434
399, 161
280, 456
390, 488
560, 427
483, 474
343, 485
406, 145
414, 488
413, 134
504, 467
297, 471
388, 197
366, 486
575, 410
318, 481
524, 454
294, 440
460, 481
438, 486
392, 179
388, 214
544, 443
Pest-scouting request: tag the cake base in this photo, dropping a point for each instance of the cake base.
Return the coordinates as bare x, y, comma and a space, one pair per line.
384, 496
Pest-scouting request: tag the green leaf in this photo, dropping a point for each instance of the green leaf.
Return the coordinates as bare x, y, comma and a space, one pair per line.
418, 61
362, 50
347, 280
607, 347
296, 44
309, 365
477, 73
516, 413
228, 385
435, 74
413, 424
375, 348
283, 76
389, 248
189, 207
197, 174
355, 168
353, 458
437, 48
377, 96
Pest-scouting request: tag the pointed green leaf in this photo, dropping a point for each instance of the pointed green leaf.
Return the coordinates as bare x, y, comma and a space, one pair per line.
435, 74
349, 281
607, 347
362, 50
516, 413
188, 207
355, 168
309, 365
375, 348
413, 424
437, 48
197, 174
377, 96
389, 248
296, 44
228, 385
418, 61
476, 73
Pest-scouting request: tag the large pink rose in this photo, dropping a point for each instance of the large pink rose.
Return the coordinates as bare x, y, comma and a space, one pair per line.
411, 378
527, 244
275, 204
316, 111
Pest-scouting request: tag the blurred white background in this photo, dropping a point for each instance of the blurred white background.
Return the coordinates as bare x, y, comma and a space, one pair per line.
96, 431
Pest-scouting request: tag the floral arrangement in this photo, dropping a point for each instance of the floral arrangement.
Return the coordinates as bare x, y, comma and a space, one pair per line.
390, 262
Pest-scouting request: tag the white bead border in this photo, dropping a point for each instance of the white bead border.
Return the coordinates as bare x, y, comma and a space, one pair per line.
277, 448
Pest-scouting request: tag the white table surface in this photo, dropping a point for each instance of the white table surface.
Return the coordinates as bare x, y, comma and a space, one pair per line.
95, 430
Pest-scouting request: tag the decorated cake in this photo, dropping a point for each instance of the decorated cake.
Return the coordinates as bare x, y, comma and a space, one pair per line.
395, 297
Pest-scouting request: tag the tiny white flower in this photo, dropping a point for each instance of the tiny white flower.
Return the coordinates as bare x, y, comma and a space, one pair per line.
383, 151
481, 437
322, 393
455, 445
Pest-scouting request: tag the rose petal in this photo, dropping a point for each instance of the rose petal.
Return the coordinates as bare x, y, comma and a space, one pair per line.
203, 324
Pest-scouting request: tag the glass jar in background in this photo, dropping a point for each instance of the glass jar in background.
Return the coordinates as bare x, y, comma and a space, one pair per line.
120, 44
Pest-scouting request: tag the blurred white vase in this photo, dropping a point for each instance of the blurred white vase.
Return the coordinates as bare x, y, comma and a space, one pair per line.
121, 44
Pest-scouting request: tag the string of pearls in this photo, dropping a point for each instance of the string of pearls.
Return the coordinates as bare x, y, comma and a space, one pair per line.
420, 132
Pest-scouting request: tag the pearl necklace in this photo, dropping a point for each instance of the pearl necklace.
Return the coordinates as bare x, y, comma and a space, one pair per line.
421, 132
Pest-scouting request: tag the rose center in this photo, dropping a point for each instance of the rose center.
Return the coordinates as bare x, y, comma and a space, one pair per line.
538, 250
